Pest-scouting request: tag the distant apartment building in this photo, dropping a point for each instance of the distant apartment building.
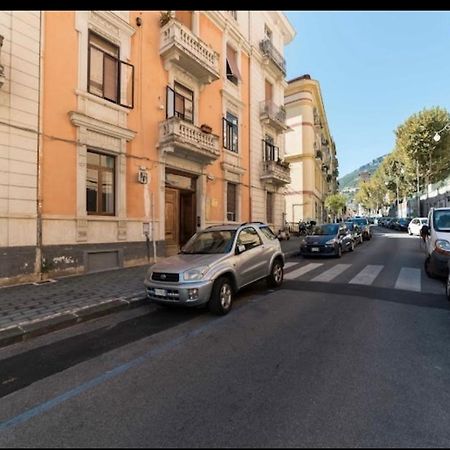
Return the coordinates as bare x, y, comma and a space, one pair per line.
124, 132
310, 150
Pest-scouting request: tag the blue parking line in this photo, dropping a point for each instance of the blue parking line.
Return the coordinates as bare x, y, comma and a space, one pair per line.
50, 404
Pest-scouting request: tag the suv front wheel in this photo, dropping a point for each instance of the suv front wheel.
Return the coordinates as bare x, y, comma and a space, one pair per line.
221, 296
276, 274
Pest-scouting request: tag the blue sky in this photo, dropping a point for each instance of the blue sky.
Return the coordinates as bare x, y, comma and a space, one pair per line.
375, 69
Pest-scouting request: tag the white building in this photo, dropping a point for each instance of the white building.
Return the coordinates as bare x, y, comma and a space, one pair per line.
269, 32
20, 43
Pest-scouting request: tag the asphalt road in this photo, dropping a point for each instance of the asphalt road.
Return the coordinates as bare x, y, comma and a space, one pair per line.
349, 352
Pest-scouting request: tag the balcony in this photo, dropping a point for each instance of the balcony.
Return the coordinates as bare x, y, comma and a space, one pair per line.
180, 46
276, 172
273, 115
185, 140
272, 55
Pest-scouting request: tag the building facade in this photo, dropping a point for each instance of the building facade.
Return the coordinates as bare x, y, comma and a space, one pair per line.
20, 80
270, 31
311, 152
136, 132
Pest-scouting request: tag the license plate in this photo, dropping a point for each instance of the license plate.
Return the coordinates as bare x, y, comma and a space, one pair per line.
161, 292
314, 249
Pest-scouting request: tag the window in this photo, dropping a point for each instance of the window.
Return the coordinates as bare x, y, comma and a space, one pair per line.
269, 207
100, 184
108, 77
233, 73
267, 231
249, 238
230, 133
180, 103
231, 202
270, 151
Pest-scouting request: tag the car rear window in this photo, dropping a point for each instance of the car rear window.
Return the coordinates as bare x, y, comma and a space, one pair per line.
266, 230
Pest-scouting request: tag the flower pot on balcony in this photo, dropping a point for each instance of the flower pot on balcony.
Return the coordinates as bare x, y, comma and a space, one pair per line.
206, 129
165, 17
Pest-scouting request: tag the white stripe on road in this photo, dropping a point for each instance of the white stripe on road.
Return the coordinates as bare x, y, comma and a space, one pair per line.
367, 275
409, 279
329, 274
301, 271
290, 264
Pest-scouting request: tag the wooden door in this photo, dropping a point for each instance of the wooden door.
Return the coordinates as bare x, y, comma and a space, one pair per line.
172, 216
187, 216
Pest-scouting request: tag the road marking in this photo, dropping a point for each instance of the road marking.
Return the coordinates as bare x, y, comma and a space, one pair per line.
290, 264
409, 279
302, 271
329, 274
367, 275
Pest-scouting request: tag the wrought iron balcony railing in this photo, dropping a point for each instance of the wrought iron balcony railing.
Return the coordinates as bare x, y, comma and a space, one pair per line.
269, 51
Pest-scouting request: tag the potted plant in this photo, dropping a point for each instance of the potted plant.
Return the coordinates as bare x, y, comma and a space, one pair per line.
165, 17
206, 128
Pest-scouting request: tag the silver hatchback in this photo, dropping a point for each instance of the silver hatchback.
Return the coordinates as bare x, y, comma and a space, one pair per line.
216, 263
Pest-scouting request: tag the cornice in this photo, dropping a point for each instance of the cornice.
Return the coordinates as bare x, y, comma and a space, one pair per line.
116, 21
229, 26
81, 120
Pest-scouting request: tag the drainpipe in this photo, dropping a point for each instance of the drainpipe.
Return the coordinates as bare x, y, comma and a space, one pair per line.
38, 260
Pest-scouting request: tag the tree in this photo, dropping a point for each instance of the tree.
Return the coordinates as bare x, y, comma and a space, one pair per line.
423, 156
335, 203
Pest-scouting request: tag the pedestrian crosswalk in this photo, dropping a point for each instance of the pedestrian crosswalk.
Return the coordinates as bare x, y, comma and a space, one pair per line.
404, 278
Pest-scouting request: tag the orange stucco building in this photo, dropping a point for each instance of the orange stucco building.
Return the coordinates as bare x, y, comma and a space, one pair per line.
145, 134
131, 130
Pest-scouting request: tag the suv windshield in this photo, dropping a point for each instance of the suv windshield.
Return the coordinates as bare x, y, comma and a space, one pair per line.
361, 221
267, 231
209, 242
323, 230
441, 220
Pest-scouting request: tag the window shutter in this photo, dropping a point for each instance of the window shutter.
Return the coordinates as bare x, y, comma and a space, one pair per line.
110, 77
232, 61
170, 103
126, 84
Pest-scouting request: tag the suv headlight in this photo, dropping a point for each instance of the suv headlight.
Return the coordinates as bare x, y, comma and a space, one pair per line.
443, 246
195, 274
331, 242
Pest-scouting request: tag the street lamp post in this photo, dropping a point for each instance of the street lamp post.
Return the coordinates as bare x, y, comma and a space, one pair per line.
437, 136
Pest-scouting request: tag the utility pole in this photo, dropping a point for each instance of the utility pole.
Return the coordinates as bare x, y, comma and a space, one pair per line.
418, 188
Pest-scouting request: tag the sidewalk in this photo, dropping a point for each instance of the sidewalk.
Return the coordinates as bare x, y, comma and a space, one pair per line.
30, 310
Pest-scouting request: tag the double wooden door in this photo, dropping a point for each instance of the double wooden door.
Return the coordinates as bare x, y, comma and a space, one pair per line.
180, 215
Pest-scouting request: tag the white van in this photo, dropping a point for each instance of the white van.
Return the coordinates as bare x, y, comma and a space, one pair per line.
437, 239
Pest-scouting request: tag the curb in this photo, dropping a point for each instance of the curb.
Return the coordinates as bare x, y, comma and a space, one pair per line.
26, 330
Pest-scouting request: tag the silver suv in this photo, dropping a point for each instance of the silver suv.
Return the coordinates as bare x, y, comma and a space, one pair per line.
214, 264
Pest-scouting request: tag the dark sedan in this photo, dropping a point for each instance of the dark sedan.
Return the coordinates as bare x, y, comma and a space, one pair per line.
355, 231
402, 224
328, 239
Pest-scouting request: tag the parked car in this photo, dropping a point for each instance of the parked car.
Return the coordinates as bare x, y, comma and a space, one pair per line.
216, 263
328, 239
402, 224
355, 231
415, 225
364, 225
437, 242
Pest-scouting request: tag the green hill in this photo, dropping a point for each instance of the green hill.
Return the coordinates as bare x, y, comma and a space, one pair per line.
351, 180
